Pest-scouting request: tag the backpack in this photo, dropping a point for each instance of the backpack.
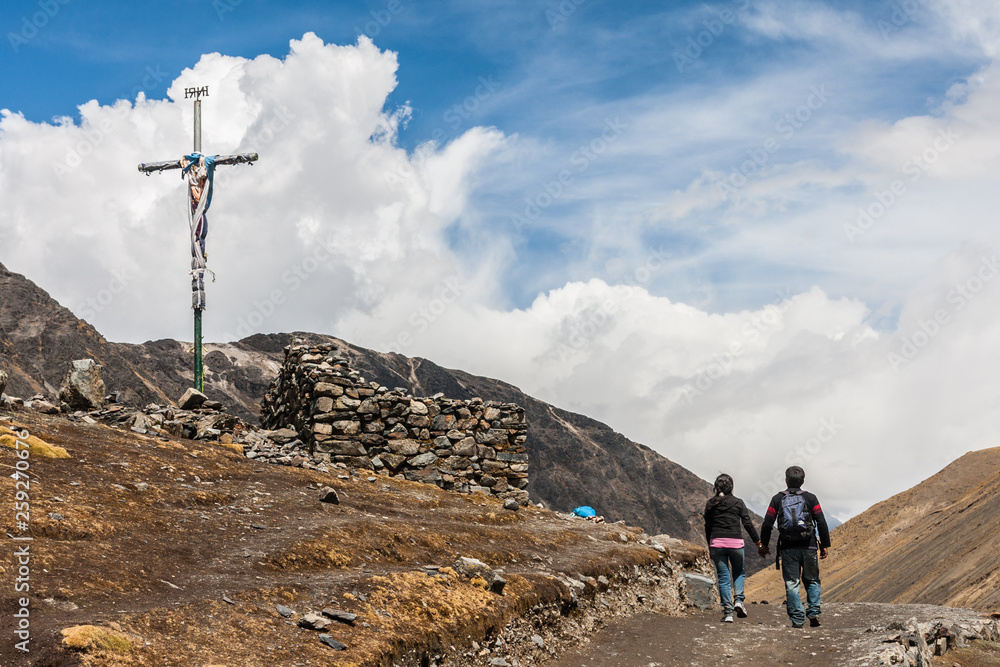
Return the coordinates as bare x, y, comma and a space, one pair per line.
795, 521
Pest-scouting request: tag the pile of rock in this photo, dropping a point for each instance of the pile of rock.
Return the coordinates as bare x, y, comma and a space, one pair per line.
918, 642
208, 421
470, 446
81, 397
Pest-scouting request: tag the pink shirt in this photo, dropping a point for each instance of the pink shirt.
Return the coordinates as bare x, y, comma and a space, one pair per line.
726, 543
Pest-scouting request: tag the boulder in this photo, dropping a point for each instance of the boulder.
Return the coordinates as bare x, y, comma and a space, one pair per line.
82, 388
3, 381
699, 591
192, 400
329, 495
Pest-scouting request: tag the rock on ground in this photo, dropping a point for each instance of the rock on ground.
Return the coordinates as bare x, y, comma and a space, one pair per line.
83, 387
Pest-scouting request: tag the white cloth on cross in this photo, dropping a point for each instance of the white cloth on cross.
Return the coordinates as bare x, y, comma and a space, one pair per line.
199, 170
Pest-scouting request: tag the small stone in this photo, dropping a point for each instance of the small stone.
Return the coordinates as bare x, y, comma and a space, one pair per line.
44, 407
340, 616
283, 610
511, 504
313, 621
539, 642
332, 643
227, 600
425, 459
329, 495
498, 662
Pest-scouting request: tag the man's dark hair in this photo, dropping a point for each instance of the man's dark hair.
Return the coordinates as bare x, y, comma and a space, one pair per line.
794, 477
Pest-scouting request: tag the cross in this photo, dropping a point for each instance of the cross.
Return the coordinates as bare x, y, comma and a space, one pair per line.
199, 171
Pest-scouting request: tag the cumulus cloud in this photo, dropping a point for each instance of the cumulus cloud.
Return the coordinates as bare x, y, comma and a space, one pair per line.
870, 371
332, 218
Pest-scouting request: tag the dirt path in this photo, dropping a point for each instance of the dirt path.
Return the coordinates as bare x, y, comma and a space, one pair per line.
765, 637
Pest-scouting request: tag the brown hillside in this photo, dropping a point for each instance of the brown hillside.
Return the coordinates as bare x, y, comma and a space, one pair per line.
160, 551
937, 543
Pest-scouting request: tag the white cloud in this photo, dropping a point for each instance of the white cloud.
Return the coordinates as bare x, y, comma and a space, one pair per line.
338, 230
333, 217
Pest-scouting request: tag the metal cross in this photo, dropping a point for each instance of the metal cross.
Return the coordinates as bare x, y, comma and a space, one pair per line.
199, 170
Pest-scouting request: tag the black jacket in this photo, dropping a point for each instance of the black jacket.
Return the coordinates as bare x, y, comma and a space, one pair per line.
812, 502
724, 519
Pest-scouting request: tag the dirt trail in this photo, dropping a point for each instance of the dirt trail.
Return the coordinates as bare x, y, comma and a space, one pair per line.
765, 637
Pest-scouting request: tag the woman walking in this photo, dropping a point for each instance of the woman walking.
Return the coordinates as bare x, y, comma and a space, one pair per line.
723, 515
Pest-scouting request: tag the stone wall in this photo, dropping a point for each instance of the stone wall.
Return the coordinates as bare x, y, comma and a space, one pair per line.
467, 446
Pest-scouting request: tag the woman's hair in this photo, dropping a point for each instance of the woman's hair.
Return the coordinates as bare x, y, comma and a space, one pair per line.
723, 487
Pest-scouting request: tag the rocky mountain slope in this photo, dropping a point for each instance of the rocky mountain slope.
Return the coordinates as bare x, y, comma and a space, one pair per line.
575, 460
937, 543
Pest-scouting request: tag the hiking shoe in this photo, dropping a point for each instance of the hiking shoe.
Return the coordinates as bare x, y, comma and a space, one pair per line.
728, 618
797, 625
814, 621
741, 611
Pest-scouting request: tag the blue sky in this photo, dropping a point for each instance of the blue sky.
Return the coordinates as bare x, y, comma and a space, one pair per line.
550, 72
713, 225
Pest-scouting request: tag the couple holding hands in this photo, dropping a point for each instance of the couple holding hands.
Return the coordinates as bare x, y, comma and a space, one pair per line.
803, 538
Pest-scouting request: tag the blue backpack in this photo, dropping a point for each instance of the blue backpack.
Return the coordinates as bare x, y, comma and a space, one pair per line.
795, 521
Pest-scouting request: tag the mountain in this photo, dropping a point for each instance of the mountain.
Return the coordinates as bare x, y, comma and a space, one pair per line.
575, 460
39, 337
937, 543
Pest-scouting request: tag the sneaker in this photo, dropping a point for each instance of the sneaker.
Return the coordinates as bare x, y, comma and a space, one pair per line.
797, 625
814, 621
728, 618
741, 611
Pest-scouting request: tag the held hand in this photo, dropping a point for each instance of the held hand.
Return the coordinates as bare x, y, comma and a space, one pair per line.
763, 551
823, 552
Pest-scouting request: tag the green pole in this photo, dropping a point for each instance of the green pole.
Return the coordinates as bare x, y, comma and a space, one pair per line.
199, 371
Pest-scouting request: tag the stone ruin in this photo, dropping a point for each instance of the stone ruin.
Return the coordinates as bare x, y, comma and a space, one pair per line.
467, 446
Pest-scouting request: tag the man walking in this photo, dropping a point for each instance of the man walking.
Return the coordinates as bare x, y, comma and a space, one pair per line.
799, 515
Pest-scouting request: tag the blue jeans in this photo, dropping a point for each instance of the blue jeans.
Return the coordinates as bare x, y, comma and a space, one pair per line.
729, 569
800, 566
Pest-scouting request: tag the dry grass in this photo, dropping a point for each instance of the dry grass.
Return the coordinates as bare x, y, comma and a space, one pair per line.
36, 445
94, 638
